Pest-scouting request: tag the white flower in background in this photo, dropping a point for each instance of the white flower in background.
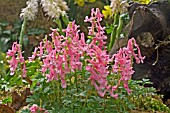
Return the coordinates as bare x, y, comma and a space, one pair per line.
30, 11
54, 8
119, 6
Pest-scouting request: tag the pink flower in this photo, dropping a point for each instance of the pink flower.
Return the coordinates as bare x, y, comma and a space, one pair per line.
17, 57
82, 44
75, 62
13, 51
36, 109
45, 65
41, 50
48, 46
71, 30
13, 65
34, 54
138, 57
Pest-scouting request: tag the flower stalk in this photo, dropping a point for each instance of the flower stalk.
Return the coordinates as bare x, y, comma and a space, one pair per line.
22, 33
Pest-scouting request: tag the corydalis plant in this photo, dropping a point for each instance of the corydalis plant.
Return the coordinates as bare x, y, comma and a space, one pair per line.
122, 66
62, 56
52, 8
99, 59
123, 62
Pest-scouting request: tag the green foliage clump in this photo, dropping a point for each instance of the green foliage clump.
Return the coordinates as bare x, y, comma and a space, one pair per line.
146, 98
8, 34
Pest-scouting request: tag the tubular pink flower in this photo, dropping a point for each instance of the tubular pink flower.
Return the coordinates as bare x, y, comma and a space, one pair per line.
75, 63
13, 51
45, 65
63, 81
71, 30
20, 57
17, 57
82, 44
41, 50
13, 65
36, 109
52, 74
34, 54
48, 46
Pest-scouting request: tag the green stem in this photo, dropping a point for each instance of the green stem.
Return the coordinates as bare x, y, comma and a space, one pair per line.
119, 27
76, 80
3, 71
113, 33
59, 24
22, 32
40, 103
58, 93
104, 106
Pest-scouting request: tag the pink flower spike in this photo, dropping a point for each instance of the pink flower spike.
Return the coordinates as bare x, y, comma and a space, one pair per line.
123, 62
98, 15
10, 53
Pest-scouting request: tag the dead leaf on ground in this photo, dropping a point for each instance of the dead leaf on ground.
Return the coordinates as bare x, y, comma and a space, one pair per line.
6, 109
19, 101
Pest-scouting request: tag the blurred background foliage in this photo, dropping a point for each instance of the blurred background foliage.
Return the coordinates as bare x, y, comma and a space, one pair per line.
10, 23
